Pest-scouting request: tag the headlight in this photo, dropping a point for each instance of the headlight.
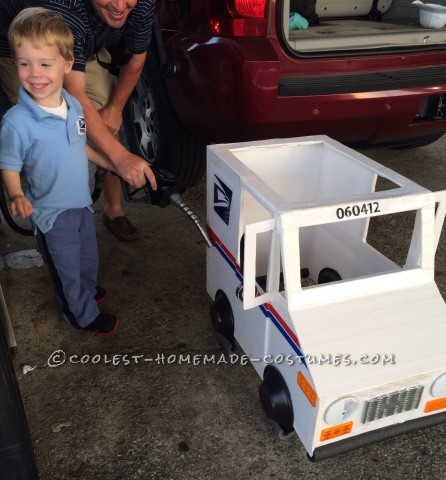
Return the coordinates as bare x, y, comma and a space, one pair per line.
340, 410
438, 388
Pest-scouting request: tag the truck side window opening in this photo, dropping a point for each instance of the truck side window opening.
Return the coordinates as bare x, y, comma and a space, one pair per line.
401, 224
262, 253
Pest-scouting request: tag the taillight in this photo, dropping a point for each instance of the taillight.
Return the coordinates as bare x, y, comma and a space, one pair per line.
238, 18
247, 8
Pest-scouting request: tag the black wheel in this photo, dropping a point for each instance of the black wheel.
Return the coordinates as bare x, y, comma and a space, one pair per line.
327, 275
276, 400
16, 447
18, 224
98, 184
422, 142
223, 320
155, 133
5, 104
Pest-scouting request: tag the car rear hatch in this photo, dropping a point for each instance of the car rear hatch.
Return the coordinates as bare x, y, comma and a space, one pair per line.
360, 26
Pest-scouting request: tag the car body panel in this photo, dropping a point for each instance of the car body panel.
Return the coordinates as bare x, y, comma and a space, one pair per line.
229, 88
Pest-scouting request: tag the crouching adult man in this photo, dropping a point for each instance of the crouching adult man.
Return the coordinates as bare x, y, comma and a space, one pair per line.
96, 25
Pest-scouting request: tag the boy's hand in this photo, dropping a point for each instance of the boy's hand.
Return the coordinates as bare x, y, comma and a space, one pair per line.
20, 205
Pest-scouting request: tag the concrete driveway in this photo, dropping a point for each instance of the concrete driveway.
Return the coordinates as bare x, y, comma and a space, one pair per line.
124, 407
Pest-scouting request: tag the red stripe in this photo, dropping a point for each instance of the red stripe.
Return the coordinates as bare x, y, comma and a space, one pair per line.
282, 322
215, 239
268, 306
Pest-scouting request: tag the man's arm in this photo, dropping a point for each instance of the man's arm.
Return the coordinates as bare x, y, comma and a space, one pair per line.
129, 75
131, 168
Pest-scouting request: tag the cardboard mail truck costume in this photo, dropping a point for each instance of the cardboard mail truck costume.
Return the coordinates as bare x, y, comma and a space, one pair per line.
349, 344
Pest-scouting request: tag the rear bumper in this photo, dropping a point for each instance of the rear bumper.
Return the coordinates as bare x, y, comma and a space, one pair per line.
358, 441
225, 91
351, 83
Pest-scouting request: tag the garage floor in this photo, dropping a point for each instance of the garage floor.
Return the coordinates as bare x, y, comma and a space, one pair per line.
125, 407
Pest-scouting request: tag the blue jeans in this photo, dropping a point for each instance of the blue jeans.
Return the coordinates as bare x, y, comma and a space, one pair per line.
70, 251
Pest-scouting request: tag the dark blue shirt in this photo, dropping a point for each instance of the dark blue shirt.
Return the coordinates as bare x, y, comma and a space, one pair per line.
90, 33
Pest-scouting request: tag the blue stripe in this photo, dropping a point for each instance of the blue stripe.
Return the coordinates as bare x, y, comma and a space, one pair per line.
270, 315
230, 262
266, 312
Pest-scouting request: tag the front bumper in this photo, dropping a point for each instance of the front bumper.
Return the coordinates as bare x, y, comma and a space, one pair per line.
364, 439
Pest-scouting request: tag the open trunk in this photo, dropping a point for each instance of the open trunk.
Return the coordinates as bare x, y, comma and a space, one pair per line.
363, 25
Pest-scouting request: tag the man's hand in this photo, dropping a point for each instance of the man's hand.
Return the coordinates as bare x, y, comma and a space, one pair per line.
20, 205
134, 170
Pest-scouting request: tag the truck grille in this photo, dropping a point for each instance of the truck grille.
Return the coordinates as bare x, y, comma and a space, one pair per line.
393, 403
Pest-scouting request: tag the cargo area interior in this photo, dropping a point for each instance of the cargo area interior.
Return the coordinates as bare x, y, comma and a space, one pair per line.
360, 24
326, 246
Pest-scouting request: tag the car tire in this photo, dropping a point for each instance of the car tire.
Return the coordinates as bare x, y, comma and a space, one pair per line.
276, 401
422, 142
5, 104
155, 133
18, 224
17, 458
222, 317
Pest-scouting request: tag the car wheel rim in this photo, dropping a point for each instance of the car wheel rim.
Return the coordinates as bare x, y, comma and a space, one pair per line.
143, 114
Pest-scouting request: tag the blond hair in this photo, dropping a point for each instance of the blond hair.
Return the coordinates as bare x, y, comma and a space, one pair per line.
41, 27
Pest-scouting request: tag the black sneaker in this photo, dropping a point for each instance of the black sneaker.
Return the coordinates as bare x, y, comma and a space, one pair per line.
101, 294
103, 324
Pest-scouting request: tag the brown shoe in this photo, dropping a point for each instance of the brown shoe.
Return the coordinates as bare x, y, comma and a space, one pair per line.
121, 227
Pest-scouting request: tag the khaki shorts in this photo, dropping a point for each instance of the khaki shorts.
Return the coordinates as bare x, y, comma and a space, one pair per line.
99, 82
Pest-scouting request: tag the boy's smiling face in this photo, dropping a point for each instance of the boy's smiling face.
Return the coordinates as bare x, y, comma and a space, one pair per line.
41, 71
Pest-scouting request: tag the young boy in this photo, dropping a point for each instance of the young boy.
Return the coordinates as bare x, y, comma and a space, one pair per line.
45, 133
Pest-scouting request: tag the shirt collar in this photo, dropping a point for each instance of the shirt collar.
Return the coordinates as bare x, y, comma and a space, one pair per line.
26, 99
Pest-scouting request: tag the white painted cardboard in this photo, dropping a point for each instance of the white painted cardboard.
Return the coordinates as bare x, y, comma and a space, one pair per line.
306, 203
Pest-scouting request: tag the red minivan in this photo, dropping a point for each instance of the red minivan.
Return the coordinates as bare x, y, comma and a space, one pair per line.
366, 74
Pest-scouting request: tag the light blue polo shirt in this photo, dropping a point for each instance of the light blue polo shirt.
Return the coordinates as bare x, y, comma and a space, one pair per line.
52, 152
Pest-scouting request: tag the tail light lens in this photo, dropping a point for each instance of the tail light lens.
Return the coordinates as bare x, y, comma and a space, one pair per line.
238, 18
247, 8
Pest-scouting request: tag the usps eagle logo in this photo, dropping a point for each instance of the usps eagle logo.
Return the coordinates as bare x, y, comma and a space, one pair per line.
222, 199
81, 126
